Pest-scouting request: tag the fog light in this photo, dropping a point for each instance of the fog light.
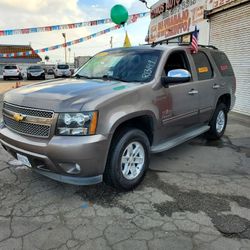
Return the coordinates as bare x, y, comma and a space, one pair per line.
71, 168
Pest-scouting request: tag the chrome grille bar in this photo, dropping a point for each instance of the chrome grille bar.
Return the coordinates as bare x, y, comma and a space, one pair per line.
33, 122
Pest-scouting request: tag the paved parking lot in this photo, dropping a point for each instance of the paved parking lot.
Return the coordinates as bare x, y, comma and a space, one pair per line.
196, 196
12, 83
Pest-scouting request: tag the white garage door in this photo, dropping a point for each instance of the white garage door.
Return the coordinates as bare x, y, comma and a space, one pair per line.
230, 32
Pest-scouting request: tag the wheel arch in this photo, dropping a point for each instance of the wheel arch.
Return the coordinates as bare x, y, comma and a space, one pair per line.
226, 99
143, 121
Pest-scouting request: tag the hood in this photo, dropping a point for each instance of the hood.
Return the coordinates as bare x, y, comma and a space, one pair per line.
68, 95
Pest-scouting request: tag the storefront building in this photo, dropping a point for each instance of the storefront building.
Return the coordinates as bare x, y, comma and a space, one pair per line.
222, 23
23, 61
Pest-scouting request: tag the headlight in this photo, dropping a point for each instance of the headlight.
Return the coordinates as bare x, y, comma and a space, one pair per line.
77, 123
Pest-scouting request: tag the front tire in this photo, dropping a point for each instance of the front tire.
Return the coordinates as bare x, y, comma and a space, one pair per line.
128, 159
218, 123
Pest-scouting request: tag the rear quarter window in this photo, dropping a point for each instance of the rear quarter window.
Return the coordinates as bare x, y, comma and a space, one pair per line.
203, 67
222, 63
10, 67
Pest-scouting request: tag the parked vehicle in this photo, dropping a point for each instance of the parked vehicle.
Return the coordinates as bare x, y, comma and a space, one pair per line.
50, 72
123, 105
62, 70
35, 72
12, 71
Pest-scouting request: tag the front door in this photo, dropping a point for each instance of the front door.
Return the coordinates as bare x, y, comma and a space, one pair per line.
183, 99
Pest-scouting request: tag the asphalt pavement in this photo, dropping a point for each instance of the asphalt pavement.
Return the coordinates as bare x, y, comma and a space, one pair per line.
196, 196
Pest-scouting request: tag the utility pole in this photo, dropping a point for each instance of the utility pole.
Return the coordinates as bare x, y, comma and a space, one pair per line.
111, 42
65, 47
69, 54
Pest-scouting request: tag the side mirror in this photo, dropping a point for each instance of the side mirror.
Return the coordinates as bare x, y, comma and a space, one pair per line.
176, 76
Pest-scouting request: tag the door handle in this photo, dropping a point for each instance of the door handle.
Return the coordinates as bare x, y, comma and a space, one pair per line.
216, 86
193, 92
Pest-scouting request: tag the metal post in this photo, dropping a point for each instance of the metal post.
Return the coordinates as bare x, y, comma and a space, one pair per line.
69, 54
111, 42
65, 47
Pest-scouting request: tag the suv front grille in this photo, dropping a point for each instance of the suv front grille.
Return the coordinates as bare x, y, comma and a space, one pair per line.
28, 111
27, 128
36, 123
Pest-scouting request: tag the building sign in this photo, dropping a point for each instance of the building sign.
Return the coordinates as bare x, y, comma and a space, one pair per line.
167, 5
218, 3
173, 18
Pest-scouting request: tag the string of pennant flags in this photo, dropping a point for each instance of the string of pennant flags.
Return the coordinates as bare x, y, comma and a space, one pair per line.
70, 43
23, 31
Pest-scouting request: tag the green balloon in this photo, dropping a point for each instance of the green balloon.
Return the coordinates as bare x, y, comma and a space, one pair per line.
119, 14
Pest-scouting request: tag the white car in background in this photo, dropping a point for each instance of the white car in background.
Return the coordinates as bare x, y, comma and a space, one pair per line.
12, 71
62, 70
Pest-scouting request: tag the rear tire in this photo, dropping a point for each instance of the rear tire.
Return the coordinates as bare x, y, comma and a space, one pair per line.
218, 123
128, 159
4, 78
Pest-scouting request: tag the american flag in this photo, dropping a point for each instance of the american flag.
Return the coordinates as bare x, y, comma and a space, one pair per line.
194, 44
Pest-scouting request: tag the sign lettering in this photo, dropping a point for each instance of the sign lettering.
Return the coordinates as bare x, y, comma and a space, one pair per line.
162, 8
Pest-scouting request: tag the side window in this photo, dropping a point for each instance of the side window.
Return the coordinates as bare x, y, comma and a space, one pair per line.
222, 63
176, 60
203, 66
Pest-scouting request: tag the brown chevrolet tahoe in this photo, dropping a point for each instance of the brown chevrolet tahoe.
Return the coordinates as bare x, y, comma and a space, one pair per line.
120, 107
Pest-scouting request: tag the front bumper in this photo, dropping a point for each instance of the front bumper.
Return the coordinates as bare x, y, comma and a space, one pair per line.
61, 74
47, 156
11, 74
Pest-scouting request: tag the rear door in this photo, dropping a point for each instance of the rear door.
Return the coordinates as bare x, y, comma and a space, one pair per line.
206, 84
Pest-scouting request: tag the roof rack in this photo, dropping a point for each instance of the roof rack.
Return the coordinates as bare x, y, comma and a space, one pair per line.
165, 42
178, 41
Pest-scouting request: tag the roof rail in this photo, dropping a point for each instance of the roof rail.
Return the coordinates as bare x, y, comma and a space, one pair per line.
208, 46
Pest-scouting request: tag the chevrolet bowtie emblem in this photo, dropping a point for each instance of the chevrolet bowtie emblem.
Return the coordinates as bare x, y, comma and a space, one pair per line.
18, 117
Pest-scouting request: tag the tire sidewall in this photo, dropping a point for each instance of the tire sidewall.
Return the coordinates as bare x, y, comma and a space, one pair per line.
133, 135
220, 107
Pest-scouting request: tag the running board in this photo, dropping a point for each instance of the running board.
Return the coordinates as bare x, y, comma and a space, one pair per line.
179, 139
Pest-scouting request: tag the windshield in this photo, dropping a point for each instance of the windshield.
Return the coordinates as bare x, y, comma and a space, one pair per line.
35, 68
122, 65
63, 66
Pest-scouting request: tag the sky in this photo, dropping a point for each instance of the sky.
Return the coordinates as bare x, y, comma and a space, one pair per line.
34, 13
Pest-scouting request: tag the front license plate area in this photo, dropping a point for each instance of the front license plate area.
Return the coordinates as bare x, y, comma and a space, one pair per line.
24, 159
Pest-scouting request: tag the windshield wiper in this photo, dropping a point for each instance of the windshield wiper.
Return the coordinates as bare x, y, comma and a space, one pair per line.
107, 77
80, 76
104, 77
